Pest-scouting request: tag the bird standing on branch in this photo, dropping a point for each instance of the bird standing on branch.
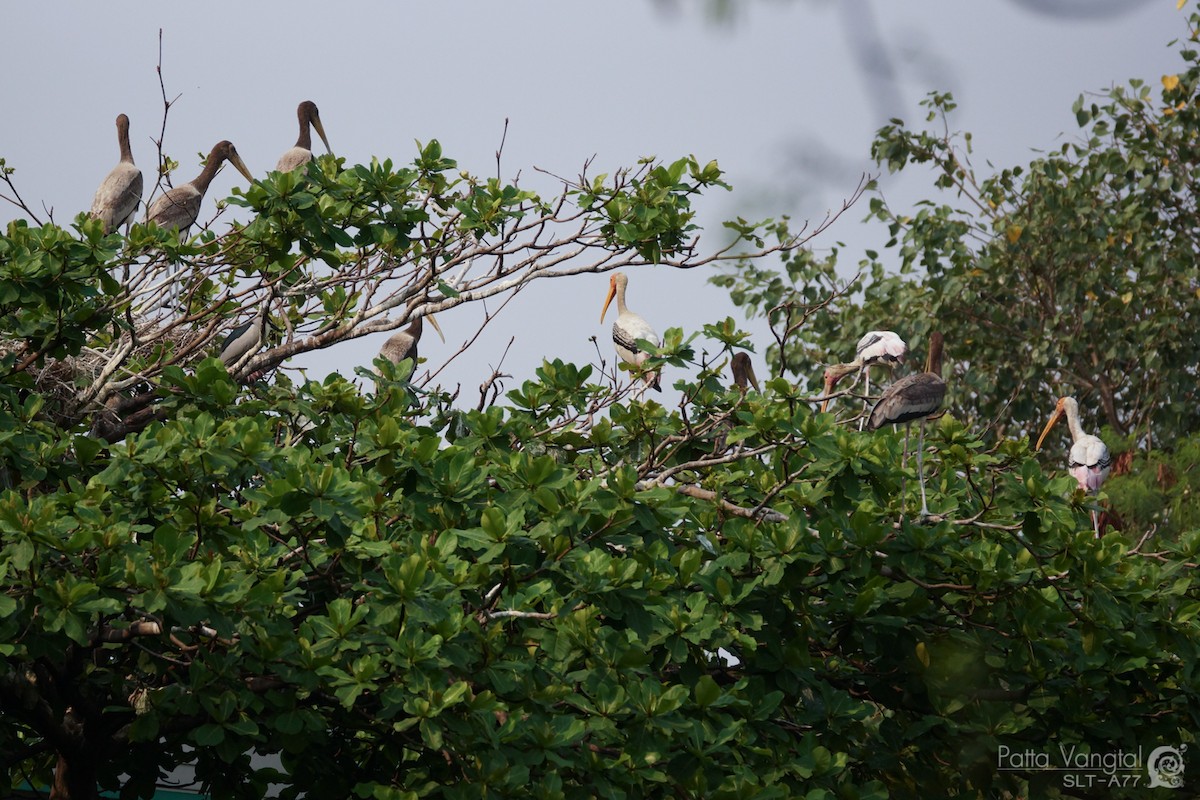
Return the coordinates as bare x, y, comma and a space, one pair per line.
1089, 462
179, 207
403, 344
302, 153
914, 397
628, 329
117, 199
246, 339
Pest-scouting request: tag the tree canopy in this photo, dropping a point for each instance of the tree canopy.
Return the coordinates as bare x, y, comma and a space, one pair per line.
570, 587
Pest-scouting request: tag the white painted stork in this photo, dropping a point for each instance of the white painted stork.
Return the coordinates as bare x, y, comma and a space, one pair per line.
302, 153
914, 397
120, 192
875, 349
403, 344
629, 328
743, 372
179, 207
1089, 462
879, 349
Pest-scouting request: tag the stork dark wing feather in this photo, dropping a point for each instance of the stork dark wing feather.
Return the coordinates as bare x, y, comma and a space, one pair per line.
911, 397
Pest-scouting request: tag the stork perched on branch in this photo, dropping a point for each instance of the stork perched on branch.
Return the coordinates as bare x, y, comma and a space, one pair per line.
914, 397
179, 207
403, 344
302, 153
628, 329
875, 349
120, 192
1089, 462
743, 371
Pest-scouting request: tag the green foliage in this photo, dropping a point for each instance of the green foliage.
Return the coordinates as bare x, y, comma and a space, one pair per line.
511, 601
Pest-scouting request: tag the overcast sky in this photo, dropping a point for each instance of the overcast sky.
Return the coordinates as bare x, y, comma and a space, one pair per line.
785, 95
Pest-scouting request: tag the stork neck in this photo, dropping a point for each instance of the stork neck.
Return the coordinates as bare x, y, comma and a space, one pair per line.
934, 363
215, 159
305, 138
123, 141
1072, 410
621, 307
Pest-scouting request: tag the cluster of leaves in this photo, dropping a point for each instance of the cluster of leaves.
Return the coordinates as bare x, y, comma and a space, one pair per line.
512, 602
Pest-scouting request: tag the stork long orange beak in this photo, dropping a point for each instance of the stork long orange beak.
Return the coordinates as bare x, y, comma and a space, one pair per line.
1055, 417
435, 325
612, 292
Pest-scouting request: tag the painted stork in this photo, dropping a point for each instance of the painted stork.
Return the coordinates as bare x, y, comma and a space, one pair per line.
835, 373
879, 349
302, 153
743, 379
914, 397
246, 339
120, 192
874, 349
403, 344
1089, 462
179, 207
743, 372
629, 328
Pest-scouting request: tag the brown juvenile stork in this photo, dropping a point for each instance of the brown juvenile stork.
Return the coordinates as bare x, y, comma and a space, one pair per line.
914, 397
302, 153
120, 192
1089, 462
743, 372
628, 329
403, 344
179, 207
743, 379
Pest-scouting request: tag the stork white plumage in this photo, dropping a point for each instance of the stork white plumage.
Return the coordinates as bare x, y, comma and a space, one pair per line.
302, 153
1089, 462
874, 349
879, 349
120, 192
914, 397
628, 329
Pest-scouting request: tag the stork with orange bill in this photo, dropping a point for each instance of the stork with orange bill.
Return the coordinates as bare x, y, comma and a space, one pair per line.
628, 329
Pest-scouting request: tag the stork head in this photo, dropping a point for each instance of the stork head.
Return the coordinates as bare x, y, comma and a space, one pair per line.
309, 115
225, 151
616, 288
1060, 408
835, 373
743, 371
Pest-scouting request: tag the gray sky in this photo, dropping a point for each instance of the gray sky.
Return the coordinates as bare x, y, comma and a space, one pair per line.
785, 95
